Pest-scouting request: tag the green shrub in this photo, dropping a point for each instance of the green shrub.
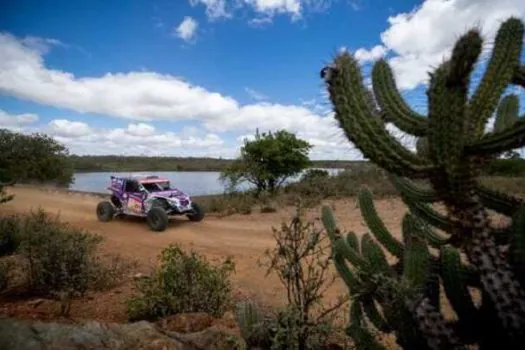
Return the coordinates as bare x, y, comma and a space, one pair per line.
301, 262
9, 234
311, 174
184, 282
6, 267
57, 260
506, 167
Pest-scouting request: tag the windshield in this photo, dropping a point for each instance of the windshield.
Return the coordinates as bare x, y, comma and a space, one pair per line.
157, 186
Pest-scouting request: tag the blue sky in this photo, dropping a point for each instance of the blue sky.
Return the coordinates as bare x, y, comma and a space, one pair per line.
193, 77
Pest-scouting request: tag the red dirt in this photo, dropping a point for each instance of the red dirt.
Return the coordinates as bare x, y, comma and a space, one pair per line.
244, 237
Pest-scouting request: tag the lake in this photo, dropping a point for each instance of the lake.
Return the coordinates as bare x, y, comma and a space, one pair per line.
195, 183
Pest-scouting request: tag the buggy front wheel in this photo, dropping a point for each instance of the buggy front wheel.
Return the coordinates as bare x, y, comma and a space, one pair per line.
157, 219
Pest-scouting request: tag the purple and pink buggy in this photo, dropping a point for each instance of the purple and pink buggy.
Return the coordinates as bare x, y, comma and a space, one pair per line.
151, 197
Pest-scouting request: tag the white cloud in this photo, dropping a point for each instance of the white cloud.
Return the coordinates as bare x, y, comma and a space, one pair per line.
271, 7
145, 97
67, 128
214, 8
255, 94
14, 121
423, 37
141, 96
135, 139
265, 10
364, 55
141, 129
187, 29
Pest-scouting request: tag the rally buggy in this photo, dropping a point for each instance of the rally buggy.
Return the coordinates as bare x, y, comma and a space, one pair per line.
151, 197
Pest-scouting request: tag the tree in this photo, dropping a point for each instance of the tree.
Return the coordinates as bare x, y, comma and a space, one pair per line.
268, 160
33, 158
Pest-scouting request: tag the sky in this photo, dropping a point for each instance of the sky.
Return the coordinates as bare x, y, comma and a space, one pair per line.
196, 77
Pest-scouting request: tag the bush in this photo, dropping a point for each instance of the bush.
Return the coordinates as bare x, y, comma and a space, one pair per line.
9, 234
301, 262
57, 260
313, 174
184, 282
506, 167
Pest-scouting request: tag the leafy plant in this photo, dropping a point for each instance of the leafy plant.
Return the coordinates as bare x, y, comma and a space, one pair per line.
57, 260
452, 149
301, 262
184, 282
33, 158
268, 161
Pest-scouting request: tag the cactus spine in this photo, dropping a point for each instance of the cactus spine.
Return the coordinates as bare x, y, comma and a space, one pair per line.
452, 148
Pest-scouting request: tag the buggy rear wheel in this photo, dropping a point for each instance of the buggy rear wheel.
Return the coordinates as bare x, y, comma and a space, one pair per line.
157, 219
197, 212
105, 211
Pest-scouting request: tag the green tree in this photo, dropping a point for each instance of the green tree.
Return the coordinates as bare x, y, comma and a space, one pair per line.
33, 158
269, 160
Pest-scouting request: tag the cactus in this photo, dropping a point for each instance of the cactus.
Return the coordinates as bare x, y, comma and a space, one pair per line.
452, 148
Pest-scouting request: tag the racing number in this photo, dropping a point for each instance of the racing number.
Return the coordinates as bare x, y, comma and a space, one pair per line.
134, 205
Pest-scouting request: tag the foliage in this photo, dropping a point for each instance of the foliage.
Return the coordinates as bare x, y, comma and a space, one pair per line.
268, 161
314, 174
9, 234
452, 150
184, 282
6, 268
4, 196
300, 261
33, 158
57, 260
147, 163
506, 167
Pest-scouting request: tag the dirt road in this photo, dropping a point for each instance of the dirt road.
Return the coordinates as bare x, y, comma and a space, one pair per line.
244, 237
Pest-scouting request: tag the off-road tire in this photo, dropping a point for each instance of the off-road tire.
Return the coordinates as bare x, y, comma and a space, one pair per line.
198, 213
158, 219
105, 211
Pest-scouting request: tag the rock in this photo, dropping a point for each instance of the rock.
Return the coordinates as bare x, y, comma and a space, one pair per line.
186, 323
28, 335
35, 303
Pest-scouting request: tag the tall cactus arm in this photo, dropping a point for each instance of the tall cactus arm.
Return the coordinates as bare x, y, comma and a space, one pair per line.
352, 282
500, 71
416, 262
360, 124
392, 104
507, 112
447, 97
412, 191
456, 288
497, 142
376, 225
352, 241
416, 270
329, 223
499, 201
375, 255
519, 76
363, 339
374, 315
414, 224
341, 247
431, 216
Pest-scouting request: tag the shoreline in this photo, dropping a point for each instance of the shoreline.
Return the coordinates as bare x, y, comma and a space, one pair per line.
65, 190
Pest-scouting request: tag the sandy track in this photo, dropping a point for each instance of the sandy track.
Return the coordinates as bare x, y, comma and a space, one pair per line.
244, 237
